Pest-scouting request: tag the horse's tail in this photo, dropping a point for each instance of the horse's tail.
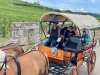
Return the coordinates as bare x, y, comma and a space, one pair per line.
47, 64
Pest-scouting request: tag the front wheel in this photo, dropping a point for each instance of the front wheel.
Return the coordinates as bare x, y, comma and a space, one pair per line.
91, 62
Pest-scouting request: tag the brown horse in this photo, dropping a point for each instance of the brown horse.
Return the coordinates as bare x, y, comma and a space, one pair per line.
12, 49
32, 63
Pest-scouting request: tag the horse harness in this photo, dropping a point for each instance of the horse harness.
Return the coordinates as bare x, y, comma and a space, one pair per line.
42, 53
9, 48
17, 63
4, 62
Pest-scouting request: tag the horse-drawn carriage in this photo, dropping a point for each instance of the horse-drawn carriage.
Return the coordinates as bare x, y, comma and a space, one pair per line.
73, 54
65, 62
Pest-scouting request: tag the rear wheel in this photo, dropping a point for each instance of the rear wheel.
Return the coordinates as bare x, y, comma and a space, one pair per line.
91, 62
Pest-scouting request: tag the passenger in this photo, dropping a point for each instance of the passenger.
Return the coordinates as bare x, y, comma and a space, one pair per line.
54, 36
62, 33
75, 29
68, 33
85, 37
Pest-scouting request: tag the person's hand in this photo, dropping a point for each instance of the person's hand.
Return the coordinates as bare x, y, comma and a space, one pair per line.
47, 35
67, 38
59, 39
82, 39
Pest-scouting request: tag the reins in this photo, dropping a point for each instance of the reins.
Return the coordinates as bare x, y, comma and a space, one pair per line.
9, 48
21, 45
6, 45
16, 61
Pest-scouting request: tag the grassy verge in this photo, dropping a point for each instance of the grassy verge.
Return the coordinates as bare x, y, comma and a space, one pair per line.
4, 41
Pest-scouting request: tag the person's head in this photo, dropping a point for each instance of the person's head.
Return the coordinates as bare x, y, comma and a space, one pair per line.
85, 31
55, 24
75, 28
65, 29
71, 28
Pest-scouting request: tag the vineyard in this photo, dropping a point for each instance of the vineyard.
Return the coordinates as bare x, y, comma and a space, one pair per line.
18, 11
11, 13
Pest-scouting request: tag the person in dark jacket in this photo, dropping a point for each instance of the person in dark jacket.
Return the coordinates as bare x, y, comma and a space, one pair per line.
62, 33
54, 36
69, 33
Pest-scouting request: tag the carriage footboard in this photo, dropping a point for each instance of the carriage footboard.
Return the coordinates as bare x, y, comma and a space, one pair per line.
58, 69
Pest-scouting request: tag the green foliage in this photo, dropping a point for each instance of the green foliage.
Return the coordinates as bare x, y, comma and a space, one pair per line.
98, 19
3, 31
9, 12
19, 11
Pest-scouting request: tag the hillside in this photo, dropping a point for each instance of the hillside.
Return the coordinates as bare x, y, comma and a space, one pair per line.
13, 13
96, 15
19, 11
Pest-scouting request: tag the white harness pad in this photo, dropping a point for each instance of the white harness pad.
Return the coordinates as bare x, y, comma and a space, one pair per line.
2, 58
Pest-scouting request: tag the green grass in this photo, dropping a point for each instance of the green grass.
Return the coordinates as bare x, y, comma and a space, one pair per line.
4, 41
13, 13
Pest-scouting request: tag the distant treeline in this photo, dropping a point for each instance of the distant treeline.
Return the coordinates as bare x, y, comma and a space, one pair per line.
38, 5
96, 15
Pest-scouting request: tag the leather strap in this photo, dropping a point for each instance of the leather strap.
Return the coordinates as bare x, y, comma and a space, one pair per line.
18, 64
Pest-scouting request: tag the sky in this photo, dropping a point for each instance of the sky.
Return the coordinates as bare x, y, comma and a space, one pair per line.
73, 5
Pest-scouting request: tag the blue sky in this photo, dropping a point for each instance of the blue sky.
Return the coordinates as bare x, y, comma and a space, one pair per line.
73, 5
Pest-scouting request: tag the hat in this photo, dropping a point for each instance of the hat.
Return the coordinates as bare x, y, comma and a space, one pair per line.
54, 19
55, 22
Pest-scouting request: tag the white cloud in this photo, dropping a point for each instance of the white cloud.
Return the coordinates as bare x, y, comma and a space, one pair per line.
75, 0
93, 1
70, 8
61, 9
64, 5
81, 9
72, 5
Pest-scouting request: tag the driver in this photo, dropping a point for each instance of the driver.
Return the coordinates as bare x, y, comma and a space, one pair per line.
54, 36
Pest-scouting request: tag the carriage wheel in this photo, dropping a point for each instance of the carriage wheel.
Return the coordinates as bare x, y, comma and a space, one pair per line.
73, 71
91, 62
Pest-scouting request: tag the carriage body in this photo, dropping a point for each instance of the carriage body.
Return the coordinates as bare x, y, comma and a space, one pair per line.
69, 58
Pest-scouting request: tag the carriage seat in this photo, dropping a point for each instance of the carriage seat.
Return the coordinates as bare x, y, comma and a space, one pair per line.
73, 44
